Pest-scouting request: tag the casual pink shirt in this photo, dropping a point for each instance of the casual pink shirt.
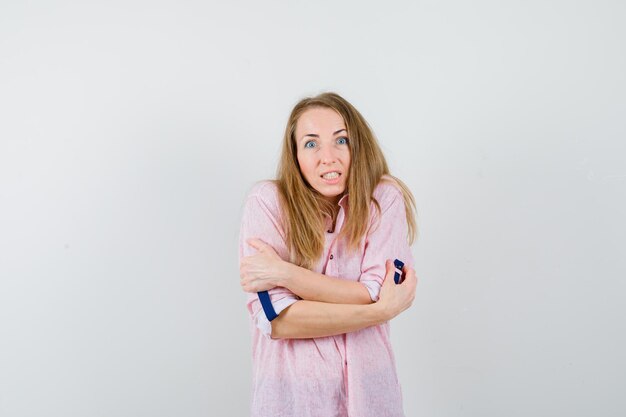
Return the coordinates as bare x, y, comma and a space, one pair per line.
348, 375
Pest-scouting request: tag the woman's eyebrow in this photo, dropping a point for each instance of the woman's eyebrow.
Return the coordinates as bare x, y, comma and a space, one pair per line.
317, 136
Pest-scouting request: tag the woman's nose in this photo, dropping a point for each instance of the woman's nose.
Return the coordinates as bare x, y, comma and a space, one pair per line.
327, 155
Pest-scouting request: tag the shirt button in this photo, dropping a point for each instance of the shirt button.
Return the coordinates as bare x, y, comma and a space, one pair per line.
331, 256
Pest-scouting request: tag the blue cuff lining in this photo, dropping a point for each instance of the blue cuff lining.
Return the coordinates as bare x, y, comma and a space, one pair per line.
266, 303
399, 265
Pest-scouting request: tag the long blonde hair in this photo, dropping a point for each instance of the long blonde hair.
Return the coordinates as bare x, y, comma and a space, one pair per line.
304, 208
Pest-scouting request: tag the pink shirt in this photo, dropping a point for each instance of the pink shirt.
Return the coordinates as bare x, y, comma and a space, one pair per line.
352, 374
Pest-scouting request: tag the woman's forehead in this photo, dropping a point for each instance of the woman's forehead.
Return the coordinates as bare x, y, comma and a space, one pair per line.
319, 120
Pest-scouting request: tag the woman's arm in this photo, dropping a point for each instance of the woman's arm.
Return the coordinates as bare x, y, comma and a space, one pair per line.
312, 286
265, 270
387, 238
307, 319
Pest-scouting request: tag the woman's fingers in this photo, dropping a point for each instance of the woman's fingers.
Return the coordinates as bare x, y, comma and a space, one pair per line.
410, 283
251, 278
244, 268
255, 286
398, 297
266, 251
409, 275
390, 272
257, 244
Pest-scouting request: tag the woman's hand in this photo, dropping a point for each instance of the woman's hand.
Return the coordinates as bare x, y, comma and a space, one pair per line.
395, 298
264, 270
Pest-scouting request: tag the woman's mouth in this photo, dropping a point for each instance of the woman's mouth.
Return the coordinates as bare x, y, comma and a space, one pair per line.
331, 177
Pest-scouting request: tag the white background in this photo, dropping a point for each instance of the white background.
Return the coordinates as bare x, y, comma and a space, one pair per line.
131, 131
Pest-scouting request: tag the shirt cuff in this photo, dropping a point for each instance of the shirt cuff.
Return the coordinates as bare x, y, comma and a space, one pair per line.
373, 287
263, 324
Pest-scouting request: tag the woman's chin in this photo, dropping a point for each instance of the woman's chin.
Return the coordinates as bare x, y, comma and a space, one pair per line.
332, 195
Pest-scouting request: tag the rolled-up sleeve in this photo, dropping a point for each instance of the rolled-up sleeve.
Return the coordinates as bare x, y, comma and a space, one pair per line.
385, 239
261, 220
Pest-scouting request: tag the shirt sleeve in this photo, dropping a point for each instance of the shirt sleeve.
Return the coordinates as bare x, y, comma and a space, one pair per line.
261, 220
385, 239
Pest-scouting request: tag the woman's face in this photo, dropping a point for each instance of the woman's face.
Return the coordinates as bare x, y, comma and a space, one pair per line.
323, 152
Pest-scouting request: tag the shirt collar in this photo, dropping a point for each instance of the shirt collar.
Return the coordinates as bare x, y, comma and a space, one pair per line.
343, 202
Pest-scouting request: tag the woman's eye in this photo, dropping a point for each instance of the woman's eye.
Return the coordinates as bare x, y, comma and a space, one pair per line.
310, 144
342, 141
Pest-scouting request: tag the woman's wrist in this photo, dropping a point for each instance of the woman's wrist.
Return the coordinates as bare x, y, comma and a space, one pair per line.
287, 271
382, 312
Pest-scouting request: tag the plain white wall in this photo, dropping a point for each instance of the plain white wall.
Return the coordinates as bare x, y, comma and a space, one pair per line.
131, 131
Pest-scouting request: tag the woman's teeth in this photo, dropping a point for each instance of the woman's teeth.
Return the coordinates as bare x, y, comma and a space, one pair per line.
330, 175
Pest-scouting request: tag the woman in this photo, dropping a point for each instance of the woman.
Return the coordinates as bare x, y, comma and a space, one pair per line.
319, 240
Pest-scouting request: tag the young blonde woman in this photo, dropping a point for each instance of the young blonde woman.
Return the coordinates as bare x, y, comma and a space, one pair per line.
315, 251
